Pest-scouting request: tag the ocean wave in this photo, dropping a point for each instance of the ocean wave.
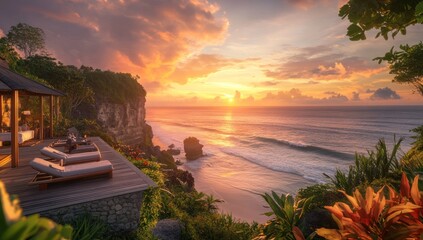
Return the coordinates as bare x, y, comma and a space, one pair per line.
307, 148
192, 126
309, 173
274, 168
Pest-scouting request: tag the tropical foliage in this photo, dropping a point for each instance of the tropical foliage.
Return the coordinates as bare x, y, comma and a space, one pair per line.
87, 227
287, 213
15, 226
319, 195
413, 159
374, 216
385, 16
380, 167
175, 197
406, 65
389, 17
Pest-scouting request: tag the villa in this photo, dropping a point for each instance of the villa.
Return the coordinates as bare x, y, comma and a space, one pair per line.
116, 200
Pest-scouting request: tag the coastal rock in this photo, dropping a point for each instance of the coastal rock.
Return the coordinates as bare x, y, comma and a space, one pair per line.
168, 229
174, 152
193, 149
125, 122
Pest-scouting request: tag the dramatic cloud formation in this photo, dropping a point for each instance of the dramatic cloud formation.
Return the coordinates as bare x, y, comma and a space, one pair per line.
385, 94
220, 52
142, 37
321, 63
201, 66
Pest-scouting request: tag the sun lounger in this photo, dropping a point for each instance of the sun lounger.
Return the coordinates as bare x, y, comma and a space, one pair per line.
52, 172
71, 158
82, 148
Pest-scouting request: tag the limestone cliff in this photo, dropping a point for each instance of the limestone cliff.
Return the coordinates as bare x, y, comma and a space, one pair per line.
125, 121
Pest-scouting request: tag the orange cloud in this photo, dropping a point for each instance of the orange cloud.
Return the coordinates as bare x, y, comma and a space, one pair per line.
68, 17
323, 64
201, 66
306, 4
148, 38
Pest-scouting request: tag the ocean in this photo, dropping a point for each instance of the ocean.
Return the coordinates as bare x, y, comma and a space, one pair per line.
252, 149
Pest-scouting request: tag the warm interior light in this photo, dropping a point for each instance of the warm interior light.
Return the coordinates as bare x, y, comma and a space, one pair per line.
26, 113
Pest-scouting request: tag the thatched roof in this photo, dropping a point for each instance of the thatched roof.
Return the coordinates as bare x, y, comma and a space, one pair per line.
10, 81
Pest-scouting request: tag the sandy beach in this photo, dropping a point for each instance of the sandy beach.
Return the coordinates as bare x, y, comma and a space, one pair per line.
238, 183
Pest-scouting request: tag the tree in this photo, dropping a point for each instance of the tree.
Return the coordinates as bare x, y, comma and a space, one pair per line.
8, 53
27, 38
407, 65
68, 79
389, 16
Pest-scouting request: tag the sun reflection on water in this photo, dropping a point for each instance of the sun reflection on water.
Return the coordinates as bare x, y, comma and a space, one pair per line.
227, 129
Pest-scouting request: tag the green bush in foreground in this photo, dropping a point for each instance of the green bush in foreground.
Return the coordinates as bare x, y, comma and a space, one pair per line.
219, 227
15, 226
87, 227
379, 168
320, 195
287, 214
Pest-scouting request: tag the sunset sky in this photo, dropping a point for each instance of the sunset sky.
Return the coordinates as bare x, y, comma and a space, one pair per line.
221, 52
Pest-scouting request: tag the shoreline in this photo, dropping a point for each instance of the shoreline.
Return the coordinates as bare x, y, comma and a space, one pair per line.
239, 183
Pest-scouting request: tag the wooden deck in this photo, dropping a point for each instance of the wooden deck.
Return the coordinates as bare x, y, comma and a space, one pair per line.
126, 179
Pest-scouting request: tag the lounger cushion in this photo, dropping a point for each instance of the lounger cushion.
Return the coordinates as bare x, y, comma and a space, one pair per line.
72, 170
71, 158
53, 153
87, 168
44, 166
82, 157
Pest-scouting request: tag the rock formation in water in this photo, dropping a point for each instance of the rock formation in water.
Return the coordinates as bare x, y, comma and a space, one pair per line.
193, 149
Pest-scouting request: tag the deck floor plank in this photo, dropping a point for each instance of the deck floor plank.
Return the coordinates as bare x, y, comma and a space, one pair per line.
126, 179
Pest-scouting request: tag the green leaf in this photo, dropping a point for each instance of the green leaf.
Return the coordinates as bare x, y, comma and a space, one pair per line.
403, 31
344, 10
355, 32
395, 33
419, 12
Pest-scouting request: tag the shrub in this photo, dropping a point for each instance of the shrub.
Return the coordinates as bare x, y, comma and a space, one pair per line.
320, 195
219, 227
87, 227
181, 178
413, 159
287, 214
379, 168
152, 201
